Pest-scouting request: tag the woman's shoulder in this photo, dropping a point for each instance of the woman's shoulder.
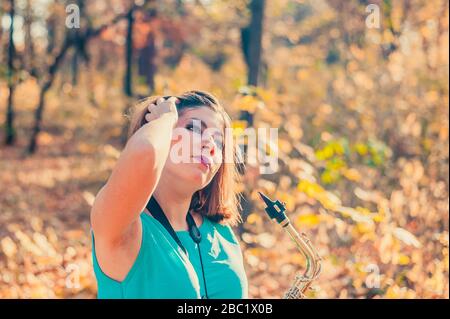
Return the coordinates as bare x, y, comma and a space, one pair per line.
224, 229
149, 222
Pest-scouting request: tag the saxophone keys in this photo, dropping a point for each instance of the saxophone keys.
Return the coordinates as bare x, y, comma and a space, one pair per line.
305, 237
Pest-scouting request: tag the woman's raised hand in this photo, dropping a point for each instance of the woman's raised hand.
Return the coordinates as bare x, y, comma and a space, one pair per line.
118, 205
162, 107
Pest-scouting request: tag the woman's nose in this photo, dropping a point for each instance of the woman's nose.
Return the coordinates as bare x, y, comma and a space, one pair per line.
210, 146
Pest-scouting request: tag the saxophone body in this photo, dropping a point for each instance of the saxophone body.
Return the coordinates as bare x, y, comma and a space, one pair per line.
302, 282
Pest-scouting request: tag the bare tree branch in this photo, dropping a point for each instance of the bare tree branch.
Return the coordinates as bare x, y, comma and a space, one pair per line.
69, 42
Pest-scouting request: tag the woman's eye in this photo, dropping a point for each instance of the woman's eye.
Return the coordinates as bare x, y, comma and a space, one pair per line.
192, 128
219, 144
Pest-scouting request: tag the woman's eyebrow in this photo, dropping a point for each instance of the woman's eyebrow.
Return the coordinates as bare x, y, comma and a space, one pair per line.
203, 123
204, 126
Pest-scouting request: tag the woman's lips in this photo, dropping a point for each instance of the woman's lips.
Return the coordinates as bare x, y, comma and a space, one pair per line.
205, 161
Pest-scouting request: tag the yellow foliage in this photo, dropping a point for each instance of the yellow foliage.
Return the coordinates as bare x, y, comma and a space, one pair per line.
329, 177
284, 146
246, 103
311, 189
8, 246
288, 199
365, 228
361, 149
351, 174
309, 220
403, 260
238, 127
325, 153
266, 95
254, 218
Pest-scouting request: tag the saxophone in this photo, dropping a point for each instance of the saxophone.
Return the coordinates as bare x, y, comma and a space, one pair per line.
302, 282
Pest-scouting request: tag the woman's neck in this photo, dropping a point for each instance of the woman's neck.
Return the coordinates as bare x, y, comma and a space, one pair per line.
175, 204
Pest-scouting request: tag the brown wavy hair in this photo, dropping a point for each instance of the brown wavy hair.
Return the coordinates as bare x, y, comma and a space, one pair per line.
219, 200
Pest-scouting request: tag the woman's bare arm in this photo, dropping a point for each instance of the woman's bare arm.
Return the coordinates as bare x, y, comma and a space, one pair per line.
135, 176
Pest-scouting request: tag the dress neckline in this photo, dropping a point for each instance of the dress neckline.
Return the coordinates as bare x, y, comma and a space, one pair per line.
200, 227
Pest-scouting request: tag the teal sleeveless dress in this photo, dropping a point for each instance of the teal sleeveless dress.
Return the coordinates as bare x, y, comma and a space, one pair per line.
163, 271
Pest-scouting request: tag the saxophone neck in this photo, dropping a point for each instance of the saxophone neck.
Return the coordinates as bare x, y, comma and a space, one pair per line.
304, 245
276, 210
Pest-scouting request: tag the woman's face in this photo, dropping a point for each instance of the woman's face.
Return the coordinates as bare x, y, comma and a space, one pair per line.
196, 147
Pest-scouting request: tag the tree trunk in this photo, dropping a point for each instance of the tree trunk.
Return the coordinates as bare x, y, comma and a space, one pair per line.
74, 68
128, 78
29, 47
146, 61
51, 33
80, 51
68, 43
147, 54
252, 41
251, 37
1, 35
128, 81
9, 126
37, 122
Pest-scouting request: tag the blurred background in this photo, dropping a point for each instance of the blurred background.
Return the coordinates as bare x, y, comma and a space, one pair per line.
358, 90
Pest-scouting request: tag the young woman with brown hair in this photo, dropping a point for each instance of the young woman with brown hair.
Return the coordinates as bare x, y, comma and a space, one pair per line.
161, 226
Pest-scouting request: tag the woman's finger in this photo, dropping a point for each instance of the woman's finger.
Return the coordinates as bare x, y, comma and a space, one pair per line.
151, 107
173, 99
160, 100
148, 117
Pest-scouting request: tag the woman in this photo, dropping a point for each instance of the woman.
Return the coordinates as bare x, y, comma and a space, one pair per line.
137, 255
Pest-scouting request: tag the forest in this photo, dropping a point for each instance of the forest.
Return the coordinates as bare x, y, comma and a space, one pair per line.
358, 90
